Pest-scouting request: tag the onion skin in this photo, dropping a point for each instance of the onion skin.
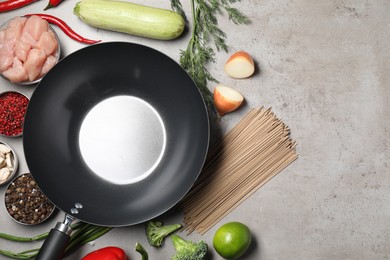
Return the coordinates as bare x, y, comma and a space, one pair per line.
240, 65
226, 99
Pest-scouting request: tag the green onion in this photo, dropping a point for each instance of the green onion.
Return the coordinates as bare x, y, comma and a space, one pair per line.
140, 249
23, 239
82, 233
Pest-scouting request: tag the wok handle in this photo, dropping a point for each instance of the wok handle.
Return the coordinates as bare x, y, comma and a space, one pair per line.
54, 245
56, 242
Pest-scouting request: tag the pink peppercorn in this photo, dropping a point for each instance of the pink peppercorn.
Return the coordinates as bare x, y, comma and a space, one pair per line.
13, 107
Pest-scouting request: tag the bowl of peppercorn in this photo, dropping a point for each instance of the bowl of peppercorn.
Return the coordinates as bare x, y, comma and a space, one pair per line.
13, 106
25, 202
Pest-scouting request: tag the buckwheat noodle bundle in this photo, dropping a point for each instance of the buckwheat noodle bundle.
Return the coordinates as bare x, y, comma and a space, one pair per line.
248, 156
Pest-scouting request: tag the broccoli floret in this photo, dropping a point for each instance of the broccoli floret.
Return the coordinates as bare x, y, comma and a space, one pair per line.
156, 232
188, 250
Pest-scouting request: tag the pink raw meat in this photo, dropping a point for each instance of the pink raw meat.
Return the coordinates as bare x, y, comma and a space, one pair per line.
17, 22
6, 55
35, 25
14, 29
2, 38
47, 42
16, 73
49, 63
34, 63
27, 49
27, 38
21, 50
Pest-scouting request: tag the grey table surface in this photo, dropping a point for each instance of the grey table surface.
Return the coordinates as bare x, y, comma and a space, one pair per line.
323, 67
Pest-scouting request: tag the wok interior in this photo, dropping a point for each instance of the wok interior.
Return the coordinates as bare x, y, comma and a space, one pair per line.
65, 135
122, 139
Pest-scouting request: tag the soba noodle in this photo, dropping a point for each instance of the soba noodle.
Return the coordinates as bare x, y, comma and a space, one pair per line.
247, 157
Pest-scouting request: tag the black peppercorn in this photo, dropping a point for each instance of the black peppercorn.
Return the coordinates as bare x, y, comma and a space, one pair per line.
25, 202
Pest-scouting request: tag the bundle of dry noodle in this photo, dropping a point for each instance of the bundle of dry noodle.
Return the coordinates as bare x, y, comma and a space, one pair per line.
248, 156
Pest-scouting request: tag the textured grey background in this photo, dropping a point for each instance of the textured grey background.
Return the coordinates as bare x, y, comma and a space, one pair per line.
323, 68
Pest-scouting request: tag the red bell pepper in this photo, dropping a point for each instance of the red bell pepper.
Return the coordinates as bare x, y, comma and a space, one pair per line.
107, 253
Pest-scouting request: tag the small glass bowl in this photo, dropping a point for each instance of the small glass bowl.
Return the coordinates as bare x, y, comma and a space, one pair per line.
8, 163
6, 113
25, 203
57, 55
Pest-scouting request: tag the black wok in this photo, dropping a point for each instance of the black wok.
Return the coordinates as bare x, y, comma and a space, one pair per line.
114, 135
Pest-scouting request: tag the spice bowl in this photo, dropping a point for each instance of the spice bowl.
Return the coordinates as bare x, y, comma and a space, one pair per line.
31, 55
8, 163
13, 107
25, 202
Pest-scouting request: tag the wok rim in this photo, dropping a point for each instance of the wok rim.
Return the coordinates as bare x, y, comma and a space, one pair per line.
50, 187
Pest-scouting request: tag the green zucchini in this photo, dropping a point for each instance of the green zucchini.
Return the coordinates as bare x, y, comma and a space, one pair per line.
130, 18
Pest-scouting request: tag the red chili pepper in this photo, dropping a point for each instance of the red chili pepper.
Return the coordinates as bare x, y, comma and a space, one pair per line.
65, 28
9, 5
107, 253
52, 3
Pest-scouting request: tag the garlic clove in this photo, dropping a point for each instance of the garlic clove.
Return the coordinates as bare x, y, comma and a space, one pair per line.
2, 162
4, 174
4, 149
9, 160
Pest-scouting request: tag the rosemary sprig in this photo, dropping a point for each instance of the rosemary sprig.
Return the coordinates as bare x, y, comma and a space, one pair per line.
205, 32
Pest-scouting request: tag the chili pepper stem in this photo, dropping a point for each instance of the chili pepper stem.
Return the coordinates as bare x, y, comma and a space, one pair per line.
52, 3
48, 7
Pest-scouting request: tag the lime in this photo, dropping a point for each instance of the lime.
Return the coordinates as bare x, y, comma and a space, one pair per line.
232, 240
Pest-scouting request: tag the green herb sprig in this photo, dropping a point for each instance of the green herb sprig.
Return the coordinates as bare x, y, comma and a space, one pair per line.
206, 36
